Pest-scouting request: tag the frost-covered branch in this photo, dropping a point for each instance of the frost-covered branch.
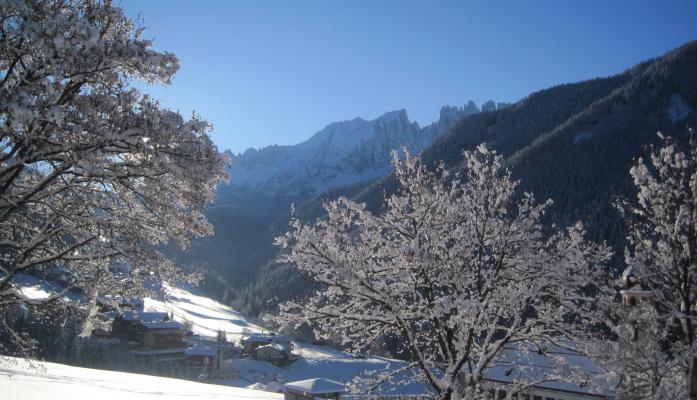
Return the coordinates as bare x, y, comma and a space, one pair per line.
91, 169
456, 267
652, 341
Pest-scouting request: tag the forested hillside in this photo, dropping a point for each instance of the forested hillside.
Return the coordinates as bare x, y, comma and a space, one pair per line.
575, 143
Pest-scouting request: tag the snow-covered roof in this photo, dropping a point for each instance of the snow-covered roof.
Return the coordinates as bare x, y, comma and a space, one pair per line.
549, 366
259, 336
144, 316
162, 325
316, 386
271, 386
200, 349
276, 346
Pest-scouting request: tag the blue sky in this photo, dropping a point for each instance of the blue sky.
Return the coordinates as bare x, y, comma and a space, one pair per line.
275, 72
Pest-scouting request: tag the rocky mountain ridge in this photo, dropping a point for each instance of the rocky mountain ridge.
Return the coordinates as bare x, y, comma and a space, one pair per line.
343, 153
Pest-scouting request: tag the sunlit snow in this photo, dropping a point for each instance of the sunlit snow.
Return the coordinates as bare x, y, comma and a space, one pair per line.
20, 380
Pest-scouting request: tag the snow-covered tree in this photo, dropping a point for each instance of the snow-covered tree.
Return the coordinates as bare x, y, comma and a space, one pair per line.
457, 266
91, 170
654, 341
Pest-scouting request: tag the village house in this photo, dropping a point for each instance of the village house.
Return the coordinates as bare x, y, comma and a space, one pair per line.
161, 344
207, 356
124, 321
158, 334
251, 341
310, 389
275, 353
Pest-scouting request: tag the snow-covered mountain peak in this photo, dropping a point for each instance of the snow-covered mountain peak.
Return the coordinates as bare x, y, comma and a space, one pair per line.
342, 153
394, 116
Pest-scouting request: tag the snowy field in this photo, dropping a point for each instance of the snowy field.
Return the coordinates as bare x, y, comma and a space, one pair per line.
19, 380
207, 316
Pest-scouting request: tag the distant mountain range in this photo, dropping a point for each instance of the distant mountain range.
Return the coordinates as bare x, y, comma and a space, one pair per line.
573, 143
343, 153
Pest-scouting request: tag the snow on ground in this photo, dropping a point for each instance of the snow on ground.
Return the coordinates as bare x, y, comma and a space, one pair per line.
207, 316
33, 288
20, 380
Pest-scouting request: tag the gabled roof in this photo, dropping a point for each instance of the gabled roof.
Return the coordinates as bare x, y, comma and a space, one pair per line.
258, 336
316, 386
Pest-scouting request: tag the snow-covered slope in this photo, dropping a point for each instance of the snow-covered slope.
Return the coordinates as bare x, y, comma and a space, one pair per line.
208, 316
42, 380
343, 153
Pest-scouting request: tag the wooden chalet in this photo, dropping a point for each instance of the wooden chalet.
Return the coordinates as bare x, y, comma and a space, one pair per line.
123, 323
158, 334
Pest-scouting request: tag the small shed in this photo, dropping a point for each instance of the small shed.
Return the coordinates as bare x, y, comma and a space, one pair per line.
318, 388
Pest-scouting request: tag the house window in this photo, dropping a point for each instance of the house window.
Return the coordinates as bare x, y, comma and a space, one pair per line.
537, 398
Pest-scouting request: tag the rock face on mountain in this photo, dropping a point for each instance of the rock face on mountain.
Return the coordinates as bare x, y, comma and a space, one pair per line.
343, 153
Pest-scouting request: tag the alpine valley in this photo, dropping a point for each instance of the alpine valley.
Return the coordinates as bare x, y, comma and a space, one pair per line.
572, 143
